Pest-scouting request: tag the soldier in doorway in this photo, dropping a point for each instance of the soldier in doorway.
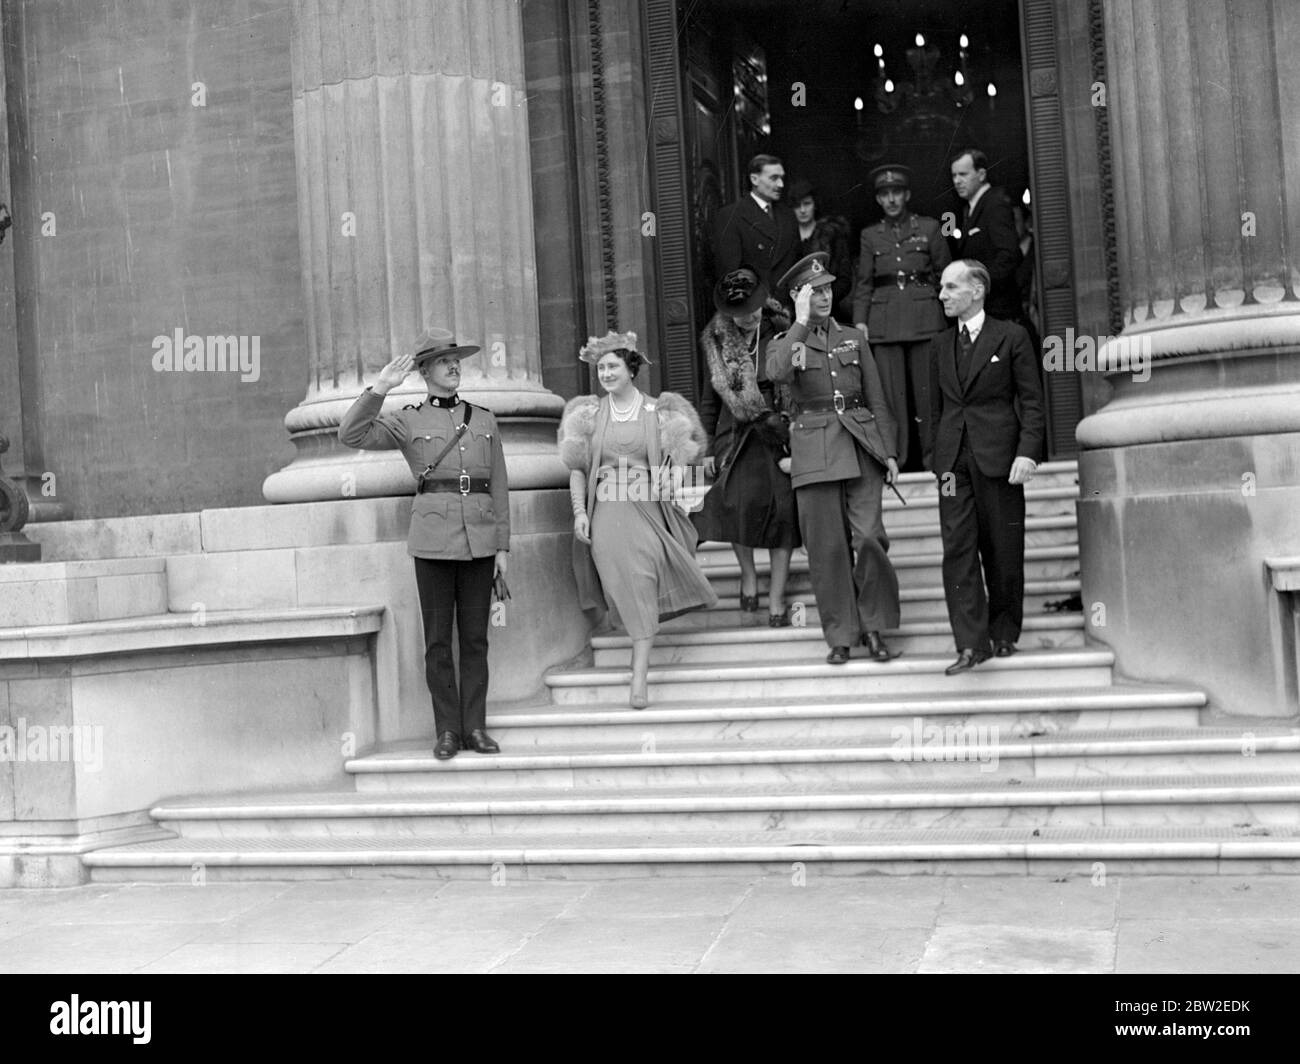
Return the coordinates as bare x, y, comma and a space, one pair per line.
896, 301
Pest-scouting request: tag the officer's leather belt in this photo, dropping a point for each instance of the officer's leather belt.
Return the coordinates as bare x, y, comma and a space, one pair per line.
843, 403
463, 485
902, 279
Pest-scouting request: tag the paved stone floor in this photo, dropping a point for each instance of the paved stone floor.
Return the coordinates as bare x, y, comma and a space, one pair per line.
751, 923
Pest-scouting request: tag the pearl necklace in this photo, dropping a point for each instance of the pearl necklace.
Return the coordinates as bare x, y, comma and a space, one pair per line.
630, 413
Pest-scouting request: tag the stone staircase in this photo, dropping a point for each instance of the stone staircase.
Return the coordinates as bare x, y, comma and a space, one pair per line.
754, 753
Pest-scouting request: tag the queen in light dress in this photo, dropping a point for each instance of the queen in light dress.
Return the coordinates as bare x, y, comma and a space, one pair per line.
634, 547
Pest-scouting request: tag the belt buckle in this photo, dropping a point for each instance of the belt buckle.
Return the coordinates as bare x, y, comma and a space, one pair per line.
464, 483
902, 280
838, 403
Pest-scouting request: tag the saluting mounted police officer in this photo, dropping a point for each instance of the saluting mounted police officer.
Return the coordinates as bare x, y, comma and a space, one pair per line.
896, 300
460, 524
842, 452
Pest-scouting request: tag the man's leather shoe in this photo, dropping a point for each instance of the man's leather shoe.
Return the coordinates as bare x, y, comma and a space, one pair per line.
966, 659
837, 656
877, 647
481, 742
448, 744
1004, 648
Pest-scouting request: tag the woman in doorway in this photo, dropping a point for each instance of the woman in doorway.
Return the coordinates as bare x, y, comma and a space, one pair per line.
634, 548
828, 233
751, 504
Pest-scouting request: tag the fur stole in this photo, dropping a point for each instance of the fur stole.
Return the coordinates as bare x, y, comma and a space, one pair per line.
681, 436
731, 363
577, 423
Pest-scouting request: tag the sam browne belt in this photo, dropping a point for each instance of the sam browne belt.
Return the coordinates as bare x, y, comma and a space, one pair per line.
464, 484
839, 404
902, 278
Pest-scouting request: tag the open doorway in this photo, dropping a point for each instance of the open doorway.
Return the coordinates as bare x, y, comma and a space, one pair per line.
836, 88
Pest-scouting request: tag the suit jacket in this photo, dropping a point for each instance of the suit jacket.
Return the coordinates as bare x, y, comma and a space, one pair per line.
989, 234
823, 444
445, 525
1000, 406
743, 235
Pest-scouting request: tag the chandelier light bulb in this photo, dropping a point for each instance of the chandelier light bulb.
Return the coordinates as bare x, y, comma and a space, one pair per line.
965, 41
889, 84
857, 103
920, 41
1025, 198
879, 52
959, 79
993, 90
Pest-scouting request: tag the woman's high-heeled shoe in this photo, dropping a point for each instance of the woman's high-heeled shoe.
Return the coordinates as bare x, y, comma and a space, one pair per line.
779, 620
749, 603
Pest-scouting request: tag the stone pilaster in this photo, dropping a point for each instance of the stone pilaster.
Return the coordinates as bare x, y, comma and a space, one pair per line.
1188, 475
415, 209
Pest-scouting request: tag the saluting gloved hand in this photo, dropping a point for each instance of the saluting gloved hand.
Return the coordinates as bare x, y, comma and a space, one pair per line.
803, 304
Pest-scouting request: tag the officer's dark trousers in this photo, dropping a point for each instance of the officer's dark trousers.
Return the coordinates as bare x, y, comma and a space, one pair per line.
982, 519
837, 518
459, 591
905, 366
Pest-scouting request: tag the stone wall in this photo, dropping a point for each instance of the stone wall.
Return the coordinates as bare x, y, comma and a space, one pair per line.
146, 204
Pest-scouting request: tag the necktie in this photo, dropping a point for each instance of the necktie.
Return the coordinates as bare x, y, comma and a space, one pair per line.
965, 348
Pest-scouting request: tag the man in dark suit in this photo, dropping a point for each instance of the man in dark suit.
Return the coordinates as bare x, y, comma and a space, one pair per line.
987, 423
842, 453
988, 233
757, 230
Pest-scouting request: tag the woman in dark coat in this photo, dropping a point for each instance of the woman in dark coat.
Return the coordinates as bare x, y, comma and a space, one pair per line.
829, 233
751, 504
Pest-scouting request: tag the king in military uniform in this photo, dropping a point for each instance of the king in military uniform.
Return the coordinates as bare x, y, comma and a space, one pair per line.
460, 524
896, 300
842, 452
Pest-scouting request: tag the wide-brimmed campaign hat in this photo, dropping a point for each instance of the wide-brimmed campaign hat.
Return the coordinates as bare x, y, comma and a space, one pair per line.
611, 341
740, 292
438, 343
811, 269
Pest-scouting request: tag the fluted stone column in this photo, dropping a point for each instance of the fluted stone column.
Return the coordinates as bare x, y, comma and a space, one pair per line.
415, 210
1189, 478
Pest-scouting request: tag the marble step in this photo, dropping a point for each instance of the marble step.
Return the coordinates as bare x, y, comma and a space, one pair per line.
1046, 850
914, 570
954, 751
778, 808
924, 508
803, 642
1017, 713
907, 540
917, 603
1068, 668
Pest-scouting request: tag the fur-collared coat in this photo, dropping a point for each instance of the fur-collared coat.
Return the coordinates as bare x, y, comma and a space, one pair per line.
732, 396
